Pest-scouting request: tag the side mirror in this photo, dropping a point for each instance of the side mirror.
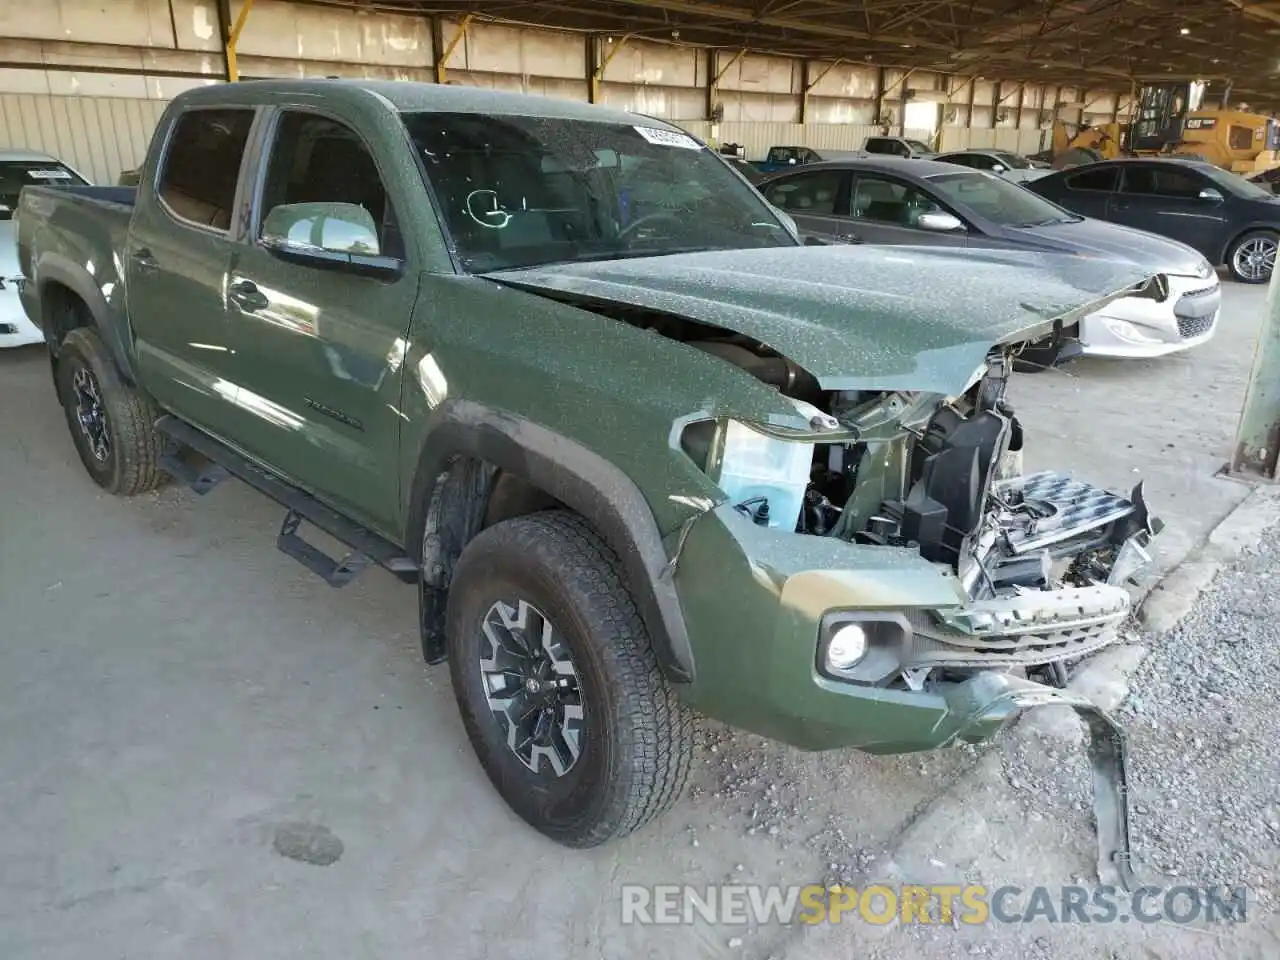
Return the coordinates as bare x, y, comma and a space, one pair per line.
327, 235
1209, 193
999, 168
939, 222
791, 161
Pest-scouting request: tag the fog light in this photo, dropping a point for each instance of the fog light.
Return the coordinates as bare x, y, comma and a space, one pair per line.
848, 645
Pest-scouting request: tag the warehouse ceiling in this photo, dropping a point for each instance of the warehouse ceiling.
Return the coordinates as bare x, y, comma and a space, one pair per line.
1099, 43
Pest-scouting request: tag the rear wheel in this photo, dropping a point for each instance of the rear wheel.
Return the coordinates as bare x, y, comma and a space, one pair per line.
1253, 256
557, 682
112, 423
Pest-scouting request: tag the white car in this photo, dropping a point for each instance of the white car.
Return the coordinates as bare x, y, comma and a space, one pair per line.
1181, 313
1000, 162
20, 168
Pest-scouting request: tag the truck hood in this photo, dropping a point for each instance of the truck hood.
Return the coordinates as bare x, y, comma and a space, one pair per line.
856, 317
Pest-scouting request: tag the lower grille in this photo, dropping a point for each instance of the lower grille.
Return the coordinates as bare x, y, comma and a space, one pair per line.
1189, 327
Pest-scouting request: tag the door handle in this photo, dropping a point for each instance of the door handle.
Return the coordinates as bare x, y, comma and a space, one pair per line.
1122, 204
246, 295
848, 237
144, 261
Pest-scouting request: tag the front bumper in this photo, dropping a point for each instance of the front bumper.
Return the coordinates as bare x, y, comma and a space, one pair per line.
15, 329
1136, 327
755, 598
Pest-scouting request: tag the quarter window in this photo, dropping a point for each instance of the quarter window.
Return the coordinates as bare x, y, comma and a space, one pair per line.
1103, 181
814, 193
202, 165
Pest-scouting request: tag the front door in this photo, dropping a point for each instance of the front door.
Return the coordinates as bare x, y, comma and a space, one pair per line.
1167, 201
887, 210
179, 246
321, 346
817, 199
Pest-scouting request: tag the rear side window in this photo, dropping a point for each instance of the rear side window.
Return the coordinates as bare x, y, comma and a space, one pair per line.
202, 164
815, 193
1098, 180
880, 145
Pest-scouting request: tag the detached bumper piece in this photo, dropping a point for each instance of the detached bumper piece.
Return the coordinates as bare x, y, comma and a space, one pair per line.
990, 694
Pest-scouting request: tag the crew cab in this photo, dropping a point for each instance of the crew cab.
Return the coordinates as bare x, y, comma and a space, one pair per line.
640, 450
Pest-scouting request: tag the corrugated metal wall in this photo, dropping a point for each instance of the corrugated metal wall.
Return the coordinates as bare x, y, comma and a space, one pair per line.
99, 136
757, 138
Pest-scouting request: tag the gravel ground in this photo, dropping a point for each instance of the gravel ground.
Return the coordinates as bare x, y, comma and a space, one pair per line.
1205, 780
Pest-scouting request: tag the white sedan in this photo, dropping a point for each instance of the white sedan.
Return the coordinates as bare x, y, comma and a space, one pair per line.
18, 169
1000, 162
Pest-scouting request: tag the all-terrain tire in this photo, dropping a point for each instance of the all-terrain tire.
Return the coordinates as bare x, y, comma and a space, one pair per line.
129, 461
636, 742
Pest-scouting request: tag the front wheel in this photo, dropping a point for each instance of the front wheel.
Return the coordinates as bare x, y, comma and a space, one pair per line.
112, 423
1253, 256
557, 682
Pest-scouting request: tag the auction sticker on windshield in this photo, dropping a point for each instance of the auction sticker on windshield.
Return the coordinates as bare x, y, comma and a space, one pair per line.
668, 138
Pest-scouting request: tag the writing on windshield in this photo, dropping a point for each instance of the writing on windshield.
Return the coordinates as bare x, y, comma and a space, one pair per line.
519, 191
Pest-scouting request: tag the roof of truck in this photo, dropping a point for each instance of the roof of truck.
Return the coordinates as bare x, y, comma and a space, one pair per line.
410, 96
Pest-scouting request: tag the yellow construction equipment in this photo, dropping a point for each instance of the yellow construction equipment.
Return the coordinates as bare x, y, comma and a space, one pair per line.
1245, 143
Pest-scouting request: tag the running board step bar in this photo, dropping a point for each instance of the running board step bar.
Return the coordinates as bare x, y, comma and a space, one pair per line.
367, 547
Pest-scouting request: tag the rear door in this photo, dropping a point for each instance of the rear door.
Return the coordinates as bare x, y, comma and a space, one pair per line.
887, 210
178, 250
321, 340
818, 200
1165, 199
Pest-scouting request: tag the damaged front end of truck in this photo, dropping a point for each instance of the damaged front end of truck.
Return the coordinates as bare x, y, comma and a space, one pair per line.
875, 570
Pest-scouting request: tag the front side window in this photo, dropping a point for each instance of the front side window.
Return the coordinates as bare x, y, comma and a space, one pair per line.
1160, 182
919, 146
879, 145
322, 185
202, 165
890, 201
1013, 161
782, 155
814, 193
962, 159
520, 191
997, 200
16, 174
1102, 181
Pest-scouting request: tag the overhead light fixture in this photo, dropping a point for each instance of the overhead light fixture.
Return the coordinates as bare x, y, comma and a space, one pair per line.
1184, 31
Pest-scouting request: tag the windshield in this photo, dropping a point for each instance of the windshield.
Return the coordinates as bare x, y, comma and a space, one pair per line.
15, 174
918, 147
1236, 183
521, 191
998, 200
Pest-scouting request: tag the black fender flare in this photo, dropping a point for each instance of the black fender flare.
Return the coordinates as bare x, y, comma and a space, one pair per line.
583, 481
59, 269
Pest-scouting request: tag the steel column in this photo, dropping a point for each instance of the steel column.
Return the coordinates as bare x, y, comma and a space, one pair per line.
1257, 445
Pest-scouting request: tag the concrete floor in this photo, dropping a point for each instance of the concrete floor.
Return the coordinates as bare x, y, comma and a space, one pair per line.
174, 692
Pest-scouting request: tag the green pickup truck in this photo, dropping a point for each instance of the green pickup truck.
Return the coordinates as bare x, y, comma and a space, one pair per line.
642, 452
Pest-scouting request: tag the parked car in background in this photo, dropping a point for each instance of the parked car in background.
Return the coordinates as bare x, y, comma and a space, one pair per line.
746, 169
18, 169
783, 157
928, 203
1224, 216
898, 147
1008, 165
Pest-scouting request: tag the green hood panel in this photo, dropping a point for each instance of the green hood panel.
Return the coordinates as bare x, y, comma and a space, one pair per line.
857, 317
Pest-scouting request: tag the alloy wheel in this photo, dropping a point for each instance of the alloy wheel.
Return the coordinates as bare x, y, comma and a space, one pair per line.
532, 687
1256, 258
91, 413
